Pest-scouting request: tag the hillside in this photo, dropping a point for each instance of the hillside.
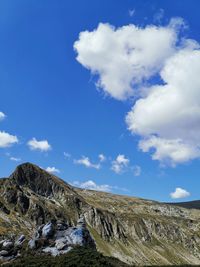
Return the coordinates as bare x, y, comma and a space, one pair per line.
188, 205
134, 230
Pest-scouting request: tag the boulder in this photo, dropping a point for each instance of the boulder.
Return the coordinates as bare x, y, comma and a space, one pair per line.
61, 244
8, 244
32, 244
48, 230
4, 253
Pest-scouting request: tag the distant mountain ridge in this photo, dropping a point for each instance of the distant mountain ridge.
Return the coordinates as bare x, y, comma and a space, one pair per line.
136, 231
195, 204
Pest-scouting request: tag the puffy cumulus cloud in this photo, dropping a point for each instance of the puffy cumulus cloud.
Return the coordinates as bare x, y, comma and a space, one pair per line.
2, 116
85, 161
120, 163
168, 151
168, 118
7, 139
52, 170
124, 57
42, 145
166, 115
179, 193
93, 186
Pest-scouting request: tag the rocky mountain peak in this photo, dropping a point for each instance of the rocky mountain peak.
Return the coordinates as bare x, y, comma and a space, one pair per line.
38, 180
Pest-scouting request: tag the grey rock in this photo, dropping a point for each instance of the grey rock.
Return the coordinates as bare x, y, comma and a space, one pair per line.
60, 244
4, 253
62, 226
8, 244
48, 230
32, 244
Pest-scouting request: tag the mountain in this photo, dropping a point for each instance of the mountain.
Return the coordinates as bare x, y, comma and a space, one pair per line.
134, 230
188, 205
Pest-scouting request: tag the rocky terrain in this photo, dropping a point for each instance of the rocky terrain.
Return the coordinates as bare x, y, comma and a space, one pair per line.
54, 238
46, 214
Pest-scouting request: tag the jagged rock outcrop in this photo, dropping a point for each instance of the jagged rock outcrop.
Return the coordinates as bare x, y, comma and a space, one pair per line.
106, 224
136, 231
58, 238
54, 238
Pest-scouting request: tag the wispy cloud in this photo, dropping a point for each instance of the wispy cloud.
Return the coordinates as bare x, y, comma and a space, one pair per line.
2, 116
91, 185
158, 16
136, 170
67, 155
15, 159
85, 161
131, 12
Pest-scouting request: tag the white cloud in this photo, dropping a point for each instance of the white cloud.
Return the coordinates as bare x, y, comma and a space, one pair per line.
67, 155
42, 145
7, 139
168, 118
102, 158
179, 193
119, 164
87, 163
2, 116
168, 151
15, 159
124, 57
136, 170
93, 186
52, 170
131, 12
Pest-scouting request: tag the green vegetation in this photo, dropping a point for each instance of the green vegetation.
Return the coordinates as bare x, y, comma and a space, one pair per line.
78, 257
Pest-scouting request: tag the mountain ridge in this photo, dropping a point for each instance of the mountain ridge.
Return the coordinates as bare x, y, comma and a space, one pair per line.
134, 230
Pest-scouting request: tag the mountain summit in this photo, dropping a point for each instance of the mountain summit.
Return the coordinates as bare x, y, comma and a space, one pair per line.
133, 230
38, 180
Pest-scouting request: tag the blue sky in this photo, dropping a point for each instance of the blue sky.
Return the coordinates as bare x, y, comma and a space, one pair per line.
49, 92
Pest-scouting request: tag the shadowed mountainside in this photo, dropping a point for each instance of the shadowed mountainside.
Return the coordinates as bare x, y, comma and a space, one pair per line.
188, 205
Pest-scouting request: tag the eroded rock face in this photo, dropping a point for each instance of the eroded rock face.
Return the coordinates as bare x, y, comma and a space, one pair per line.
106, 224
4, 209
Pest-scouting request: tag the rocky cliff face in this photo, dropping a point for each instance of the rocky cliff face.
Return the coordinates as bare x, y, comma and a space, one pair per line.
134, 230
